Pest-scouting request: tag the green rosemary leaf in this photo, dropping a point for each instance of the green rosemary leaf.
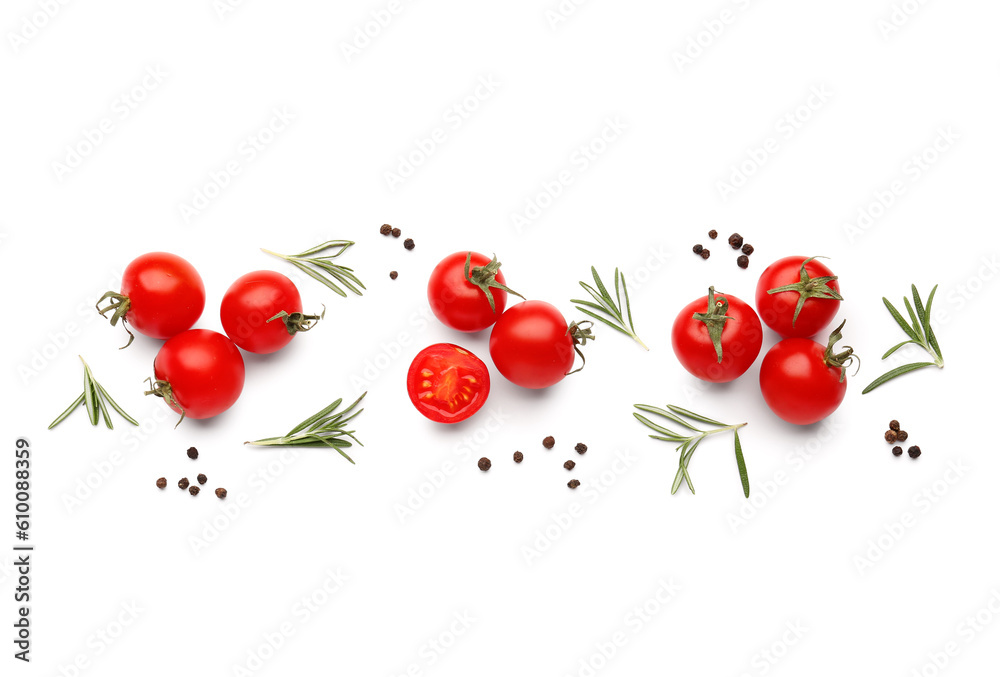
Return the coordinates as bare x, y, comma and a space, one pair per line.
925, 318
694, 416
601, 319
897, 347
609, 309
325, 428
314, 266
89, 395
315, 417
69, 410
893, 373
628, 306
900, 321
114, 405
340, 245
658, 428
742, 465
104, 408
668, 415
913, 318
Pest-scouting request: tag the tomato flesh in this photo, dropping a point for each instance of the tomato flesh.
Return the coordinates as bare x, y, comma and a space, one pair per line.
250, 302
447, 383
530, 345
204, 370
797, 384
166, 294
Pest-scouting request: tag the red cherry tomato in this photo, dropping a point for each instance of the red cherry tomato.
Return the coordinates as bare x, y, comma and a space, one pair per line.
460, 299
803, 381
199, 373
809, 302
250, 306
161, 296
447, 383
532, 346
721, 358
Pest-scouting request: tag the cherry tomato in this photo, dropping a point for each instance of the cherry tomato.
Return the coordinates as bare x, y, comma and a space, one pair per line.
199, 373
712, 347
467, 291
250, 307
533, 346
161, 296
803, 381
797, 296
447, 383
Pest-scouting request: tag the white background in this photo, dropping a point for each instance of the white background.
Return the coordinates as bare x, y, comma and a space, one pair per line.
824, 496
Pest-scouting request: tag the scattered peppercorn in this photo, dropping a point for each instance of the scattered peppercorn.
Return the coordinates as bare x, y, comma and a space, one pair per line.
743, 261
697, 248
913, 451
385, 229
161, 483
396, 232
901, 435
894, 425
484, 464
221, 493
201, 478
897, 451
183, 483
393, 274
192, 453
713, 233
518, 457
194, 489
890, 436
581, 448
569, 465
748, 249
549, 442
408, 243
573, 484
735, 240
705, 254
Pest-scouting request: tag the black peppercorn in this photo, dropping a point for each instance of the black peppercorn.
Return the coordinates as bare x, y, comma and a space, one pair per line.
201, 478
901, 435
913, 451
385, 229
573, 484
192, 453
549, 442
713, 234
518, 457
183, 483
194, 489
161, 483
890, 436
396, 232
581, 448
408, 243
748, 249
393, 275
697, 248
221, 493
894, 425
735, 240
743, 261
484, 464
569, 465
897, 451
705, 254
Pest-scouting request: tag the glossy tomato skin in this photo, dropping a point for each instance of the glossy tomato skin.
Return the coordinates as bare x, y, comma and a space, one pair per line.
530, 345
742, 337
250, 302
205, 371
447, 383
777, 310
166, 295
458, 303
797, 384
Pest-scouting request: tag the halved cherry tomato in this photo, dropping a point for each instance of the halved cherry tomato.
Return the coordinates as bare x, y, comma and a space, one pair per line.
447, 383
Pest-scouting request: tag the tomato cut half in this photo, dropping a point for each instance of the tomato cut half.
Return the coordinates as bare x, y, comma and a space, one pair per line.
447, 383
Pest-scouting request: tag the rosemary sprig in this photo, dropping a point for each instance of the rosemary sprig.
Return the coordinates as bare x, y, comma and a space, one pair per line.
322, 268
919, 333
325, 428
96, 399
610, 309
687, 444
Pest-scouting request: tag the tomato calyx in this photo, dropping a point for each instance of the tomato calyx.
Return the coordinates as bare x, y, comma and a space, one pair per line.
162, 389
810, 288
580, 335
120, 304
715, 319
296, 322
843, 359
484, 277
